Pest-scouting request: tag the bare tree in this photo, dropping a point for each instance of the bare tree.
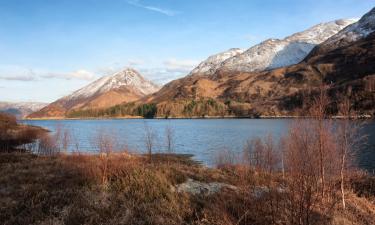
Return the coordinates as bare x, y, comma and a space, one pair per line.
349, 141
318, 112
303, 174
170, 138
261, 154
75, 143
48, 145
105, 146
65, 139
150, 139
225, 157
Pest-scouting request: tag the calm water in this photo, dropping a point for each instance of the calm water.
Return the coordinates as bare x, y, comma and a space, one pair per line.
202, 138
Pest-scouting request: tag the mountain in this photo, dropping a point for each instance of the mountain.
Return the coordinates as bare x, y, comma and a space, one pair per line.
347, 68
275, 53
278, 78
124, 86
212, 63
349, 71
356, 31
272, 53
21, 109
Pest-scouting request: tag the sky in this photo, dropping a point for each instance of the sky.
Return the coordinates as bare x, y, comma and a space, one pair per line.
49, 48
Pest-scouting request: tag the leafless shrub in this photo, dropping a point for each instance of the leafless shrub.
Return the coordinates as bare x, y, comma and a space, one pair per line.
302, 173
105, 144
349, 141
312, 158
48, 146
318, 111
150, 140
75, 142
262, 154
14, 135
170, 139
225, 157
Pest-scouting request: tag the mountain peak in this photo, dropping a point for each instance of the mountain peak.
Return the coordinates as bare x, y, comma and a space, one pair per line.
274, 53
361, 29
212, 63
127, 77
123, 86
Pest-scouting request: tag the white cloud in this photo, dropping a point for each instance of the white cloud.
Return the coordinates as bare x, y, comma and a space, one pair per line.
170, 69
135, 62
16, 73
17, 77
19, 73
75, 75
166, 12
180, 65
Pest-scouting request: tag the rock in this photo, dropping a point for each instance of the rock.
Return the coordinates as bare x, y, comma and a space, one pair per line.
260, 191
200, 188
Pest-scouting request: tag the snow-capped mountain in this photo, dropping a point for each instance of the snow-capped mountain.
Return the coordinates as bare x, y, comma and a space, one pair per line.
274, 53
212, 63
21, 109
124, 86
352, 33
126, 78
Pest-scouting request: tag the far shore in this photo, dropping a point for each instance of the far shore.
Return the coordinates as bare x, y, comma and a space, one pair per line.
193, 117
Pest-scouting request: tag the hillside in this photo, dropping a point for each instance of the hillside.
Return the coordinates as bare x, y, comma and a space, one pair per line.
124, 86
271, 53
280, 92
21, 109
267, 80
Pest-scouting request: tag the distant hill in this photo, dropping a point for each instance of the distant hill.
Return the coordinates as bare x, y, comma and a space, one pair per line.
124, 86
272, 53
346, 67
274, 78
20, 109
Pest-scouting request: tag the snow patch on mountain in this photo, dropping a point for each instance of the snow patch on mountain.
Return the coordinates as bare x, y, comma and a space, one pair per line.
212, 63
274, 53
32, 106
21, 109
125, 78
353, 32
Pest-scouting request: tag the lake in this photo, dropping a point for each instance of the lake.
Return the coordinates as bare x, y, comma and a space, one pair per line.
202, 138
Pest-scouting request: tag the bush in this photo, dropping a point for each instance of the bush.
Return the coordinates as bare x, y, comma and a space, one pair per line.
13, 135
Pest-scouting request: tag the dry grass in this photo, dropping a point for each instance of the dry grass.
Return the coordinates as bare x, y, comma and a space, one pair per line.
69, 189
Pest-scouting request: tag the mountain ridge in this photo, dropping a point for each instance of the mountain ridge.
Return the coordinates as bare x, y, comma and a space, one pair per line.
21, 109
124, 86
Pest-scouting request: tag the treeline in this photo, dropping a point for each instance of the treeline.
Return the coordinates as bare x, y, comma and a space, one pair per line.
203, 107
128, 109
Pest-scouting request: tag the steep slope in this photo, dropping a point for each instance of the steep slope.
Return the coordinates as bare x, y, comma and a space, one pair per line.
275, 53
21, 109
349, 70
212, 63
125, 86
353, 32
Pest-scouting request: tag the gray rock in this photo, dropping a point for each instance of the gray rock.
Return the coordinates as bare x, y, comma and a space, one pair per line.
200, 188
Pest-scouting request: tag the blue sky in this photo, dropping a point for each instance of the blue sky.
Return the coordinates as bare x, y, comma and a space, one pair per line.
49, 48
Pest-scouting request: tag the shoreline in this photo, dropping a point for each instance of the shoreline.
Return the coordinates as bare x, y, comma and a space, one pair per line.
365, 117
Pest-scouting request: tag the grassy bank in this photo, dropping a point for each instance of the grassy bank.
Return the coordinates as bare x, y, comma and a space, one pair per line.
128, 189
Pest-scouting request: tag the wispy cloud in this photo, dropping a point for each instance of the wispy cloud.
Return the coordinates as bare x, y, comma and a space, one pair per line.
16, 73
182, 65
136, 62
164, 11
170, 70
17, 77
19, 73
76, 75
